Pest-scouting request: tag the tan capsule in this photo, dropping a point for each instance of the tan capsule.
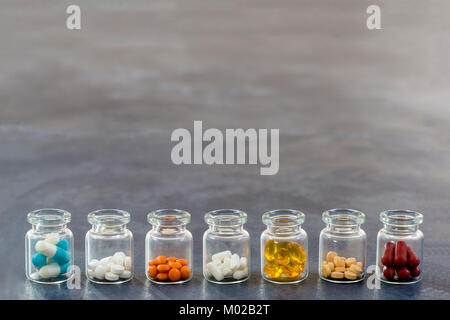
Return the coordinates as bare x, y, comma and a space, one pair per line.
326, 271
339, 269
350, 275
337, 275
339, 261
331, 255
331, 264
355, 269
350, 261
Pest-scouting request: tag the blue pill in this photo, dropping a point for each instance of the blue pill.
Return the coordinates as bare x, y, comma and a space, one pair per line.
63, 268
61, 256
63, 244
39, 260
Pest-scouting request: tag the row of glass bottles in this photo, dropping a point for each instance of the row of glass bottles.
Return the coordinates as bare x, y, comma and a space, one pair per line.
226, 247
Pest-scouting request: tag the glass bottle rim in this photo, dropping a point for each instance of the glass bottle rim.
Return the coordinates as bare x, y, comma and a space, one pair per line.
283, 217
401, 217
226, 217
49, 217
109, 217
343, 216
169, 217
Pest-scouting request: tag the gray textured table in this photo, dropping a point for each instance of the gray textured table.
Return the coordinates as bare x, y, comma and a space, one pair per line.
86, 118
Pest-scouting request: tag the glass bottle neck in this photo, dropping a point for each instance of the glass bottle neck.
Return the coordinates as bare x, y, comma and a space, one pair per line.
400, 229
280, 230
102, 228
226, 230
42, 228
169, 229
340, 228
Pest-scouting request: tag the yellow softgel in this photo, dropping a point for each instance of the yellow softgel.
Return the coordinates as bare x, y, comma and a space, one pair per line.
296, 252
290, 272
282, 257
272, 270
270, 249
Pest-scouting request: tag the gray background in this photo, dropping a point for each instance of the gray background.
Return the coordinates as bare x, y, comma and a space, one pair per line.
86, 118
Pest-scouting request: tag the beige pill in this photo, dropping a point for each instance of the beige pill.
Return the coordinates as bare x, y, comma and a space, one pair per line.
331, 264
337, 275
359, 263
339, 269
331, 255
350, 261
339, 261
350, 275
355, 269
326, 270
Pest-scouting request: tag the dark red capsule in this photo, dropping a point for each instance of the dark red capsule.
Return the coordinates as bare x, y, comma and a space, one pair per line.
389, 273
401, 254
388, 256
415, 272
403, 273
413, 259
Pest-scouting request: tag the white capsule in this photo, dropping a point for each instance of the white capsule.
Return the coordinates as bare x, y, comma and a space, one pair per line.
117, 269
126, 274
215, 271
93, 264
111, 276
227, 272
46, 248
105, 260
52, 238
221, 255
243, 263
234, 262
118, 258
226, 262
240, 274
100, 271
91, 273
127, 263
50, 271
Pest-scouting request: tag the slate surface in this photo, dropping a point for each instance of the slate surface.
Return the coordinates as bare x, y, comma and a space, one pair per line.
86, 118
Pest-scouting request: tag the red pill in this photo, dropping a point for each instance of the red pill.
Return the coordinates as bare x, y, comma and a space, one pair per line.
388, 257
401, 254
403, 273
389, 273
413, 259
415, 272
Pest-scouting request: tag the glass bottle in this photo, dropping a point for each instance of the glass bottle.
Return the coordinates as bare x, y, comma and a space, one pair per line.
342, 246
49, 247
284, 247
109, 247
226, 247
168, 247
400, 247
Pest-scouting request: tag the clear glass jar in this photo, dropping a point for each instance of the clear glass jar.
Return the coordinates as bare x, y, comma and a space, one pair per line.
342, 246
400, 247
49, 246
284, 247
168, 247
109, 247
226, 247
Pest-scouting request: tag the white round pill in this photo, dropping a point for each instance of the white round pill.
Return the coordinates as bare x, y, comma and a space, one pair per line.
111, 276
93, 263
118, 258
100, 271
117, 269
126, 274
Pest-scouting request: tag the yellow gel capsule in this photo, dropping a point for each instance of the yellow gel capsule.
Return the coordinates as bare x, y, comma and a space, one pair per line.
270, 249
289, 271
282, 257
272, 270
296, 252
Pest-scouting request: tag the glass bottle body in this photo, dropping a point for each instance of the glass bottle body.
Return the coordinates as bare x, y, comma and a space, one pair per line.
284, 247
109, 247
226, 247
49, 247
400, 247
